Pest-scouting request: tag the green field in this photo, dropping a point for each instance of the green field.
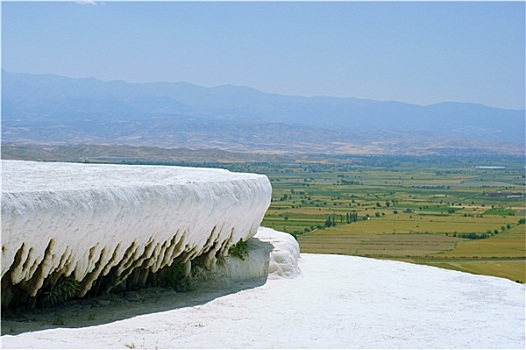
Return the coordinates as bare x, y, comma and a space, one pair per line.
441, 212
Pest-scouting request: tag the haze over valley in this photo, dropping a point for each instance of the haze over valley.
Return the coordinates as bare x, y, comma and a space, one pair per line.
56, 110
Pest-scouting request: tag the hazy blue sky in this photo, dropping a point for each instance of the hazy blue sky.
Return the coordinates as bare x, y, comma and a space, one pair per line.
412, 52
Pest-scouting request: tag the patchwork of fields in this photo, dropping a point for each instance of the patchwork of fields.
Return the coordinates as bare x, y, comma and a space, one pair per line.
450, 214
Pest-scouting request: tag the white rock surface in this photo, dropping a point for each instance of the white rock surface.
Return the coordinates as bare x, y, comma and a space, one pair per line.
285, 254
272, 255
338, 302
89, 220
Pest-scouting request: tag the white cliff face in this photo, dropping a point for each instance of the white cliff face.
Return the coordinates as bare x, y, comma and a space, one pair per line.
271, 255
285, 254
88, 221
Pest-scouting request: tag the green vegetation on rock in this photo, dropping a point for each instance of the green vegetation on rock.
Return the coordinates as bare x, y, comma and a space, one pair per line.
239, 250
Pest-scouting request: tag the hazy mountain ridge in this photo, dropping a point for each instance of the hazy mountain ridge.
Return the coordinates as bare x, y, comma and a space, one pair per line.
60, 110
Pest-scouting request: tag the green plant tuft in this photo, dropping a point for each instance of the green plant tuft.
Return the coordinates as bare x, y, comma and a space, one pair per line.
239, 250
177, 279
60, 292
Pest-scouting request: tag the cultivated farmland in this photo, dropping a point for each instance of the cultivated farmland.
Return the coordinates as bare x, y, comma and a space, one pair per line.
440, 212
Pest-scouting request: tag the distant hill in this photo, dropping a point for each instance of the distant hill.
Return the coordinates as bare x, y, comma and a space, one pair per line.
50, 109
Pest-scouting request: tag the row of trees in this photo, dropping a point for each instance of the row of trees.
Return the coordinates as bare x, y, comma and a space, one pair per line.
333, 219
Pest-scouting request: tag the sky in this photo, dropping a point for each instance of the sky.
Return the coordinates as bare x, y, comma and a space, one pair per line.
415, 52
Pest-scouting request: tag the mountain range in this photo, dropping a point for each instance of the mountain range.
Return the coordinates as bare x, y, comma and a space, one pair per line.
51, 109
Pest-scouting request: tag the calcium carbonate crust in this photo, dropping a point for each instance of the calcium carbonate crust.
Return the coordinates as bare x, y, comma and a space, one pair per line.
271, 255
88, 221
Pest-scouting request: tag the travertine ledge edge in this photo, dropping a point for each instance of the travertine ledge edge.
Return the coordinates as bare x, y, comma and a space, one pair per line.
94, 222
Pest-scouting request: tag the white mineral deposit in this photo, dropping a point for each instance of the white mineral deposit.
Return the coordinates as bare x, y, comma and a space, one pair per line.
78, 219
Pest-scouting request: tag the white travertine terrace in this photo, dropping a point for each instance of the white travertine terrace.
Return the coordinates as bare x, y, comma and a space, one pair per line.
85, 221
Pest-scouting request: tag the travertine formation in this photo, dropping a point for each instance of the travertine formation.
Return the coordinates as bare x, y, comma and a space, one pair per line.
107, 222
